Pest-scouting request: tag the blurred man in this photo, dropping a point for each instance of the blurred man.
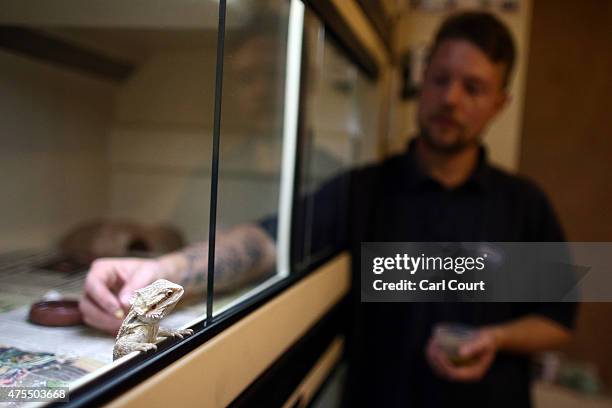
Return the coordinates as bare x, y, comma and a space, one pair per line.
441, 189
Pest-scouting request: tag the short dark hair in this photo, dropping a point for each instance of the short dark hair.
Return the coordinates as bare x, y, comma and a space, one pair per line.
483, 30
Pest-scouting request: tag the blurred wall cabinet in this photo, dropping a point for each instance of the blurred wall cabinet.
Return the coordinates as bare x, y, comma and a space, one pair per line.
109, 116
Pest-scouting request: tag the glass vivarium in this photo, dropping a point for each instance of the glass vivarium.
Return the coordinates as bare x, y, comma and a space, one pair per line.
261, 74
106, 143
297, 117
340, 124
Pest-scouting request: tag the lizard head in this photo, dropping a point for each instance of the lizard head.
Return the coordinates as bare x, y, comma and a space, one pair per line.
155, 301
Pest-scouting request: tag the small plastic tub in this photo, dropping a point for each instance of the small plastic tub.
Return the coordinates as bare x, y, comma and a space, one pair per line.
56, 313
451, 336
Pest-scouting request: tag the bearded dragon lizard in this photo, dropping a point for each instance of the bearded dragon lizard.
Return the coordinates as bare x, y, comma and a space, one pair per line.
140, 328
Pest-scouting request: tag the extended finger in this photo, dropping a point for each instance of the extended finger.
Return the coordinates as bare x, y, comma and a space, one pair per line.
434, 355
444, 363
96, 317
139, 278
97, 288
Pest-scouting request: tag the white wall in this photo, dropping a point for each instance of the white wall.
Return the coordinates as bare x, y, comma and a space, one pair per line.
161, 148
504, 136
53, 143
161, 140
74, 148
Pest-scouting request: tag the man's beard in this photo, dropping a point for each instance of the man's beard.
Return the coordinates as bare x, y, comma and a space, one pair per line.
457, 146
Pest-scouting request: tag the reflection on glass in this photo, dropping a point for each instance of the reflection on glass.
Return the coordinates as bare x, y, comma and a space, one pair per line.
340, 120
106, 145
338, 112
251, 146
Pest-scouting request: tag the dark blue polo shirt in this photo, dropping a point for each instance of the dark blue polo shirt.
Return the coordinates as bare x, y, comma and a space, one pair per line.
396, 201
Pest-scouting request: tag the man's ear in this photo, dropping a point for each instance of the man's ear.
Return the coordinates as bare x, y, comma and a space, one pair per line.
503, 100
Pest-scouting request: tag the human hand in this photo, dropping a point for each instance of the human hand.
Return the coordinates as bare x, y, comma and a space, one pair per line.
109, 286
478, 354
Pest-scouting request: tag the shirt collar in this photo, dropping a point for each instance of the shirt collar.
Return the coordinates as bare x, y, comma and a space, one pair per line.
416, 178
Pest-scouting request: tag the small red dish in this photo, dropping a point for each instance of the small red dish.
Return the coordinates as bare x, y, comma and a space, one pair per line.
56, 313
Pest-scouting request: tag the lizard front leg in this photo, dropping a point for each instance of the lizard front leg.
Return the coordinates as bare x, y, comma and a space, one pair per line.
163, 333
123, 348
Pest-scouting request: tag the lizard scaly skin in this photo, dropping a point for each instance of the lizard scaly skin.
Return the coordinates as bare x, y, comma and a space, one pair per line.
140, 328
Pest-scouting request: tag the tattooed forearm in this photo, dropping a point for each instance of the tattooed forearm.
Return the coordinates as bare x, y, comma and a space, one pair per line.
254, 250
196, 268
233, 266
243, 254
